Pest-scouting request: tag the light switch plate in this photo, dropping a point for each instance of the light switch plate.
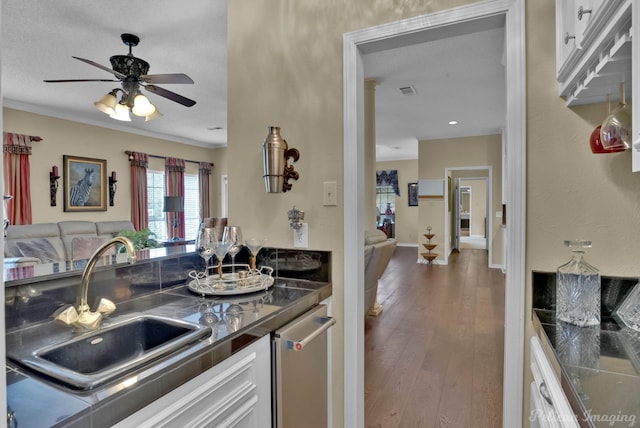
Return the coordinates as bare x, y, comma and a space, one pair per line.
330, 197
301, 236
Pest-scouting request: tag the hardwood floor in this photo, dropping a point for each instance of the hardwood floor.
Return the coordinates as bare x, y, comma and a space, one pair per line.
434, 357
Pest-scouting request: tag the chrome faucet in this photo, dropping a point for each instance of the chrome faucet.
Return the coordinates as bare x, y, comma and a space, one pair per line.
83, 319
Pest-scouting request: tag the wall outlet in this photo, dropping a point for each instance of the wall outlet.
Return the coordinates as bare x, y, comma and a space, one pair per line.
330, 197
301, 236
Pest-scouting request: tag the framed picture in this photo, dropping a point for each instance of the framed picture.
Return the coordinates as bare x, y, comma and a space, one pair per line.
412, 194
85, 184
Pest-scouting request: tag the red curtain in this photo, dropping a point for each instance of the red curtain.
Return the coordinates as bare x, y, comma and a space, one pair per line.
139, 202
204, 173
174, 172
17, 172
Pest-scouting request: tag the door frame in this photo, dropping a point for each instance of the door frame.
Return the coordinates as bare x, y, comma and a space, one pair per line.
488, 209
353, 245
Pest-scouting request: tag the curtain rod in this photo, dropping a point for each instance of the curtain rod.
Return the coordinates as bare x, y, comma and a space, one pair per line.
31, 137
129, 153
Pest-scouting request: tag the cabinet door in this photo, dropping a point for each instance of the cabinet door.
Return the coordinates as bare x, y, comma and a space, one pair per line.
553, 406
584, 12
234, 393
565, 31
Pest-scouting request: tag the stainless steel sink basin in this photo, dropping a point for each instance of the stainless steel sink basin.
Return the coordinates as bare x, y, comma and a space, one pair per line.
95, 358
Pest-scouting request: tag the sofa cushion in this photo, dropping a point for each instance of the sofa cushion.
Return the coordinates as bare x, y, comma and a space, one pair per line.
40, 249
29, 233
374, 236
73, 229
112, 228
83, 247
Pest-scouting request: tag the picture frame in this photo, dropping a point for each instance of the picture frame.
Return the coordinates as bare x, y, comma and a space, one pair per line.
412, 194
85, 184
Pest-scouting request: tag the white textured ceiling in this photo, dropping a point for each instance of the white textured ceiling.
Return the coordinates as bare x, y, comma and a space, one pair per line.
39, 38
457, 74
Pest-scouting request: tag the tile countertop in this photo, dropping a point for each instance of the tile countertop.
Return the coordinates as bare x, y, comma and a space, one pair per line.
41, 403
598, 368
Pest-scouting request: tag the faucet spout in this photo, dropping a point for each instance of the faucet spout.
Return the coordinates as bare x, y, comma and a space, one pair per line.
91, 264
84, 319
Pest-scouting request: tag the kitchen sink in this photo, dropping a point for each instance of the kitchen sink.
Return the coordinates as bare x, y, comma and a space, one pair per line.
94, 358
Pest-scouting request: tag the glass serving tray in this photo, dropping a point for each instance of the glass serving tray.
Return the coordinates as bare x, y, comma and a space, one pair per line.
242, 280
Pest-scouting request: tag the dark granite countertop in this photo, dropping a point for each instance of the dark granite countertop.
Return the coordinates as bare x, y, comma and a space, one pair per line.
39, 402
599, 368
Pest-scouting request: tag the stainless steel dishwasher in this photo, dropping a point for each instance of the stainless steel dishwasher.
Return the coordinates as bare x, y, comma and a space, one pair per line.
300, 371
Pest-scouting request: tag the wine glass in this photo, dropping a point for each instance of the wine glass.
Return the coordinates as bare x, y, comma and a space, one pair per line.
254, 245
220, 252
232, 236
206, 243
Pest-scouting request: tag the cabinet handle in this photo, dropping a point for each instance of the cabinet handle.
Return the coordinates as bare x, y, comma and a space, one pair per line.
545, 393
298, 345
582, 11
12, 422
567, 37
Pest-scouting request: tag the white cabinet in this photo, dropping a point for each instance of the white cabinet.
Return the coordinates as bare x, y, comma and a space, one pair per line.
234, 393
593, 49
549, 405
565, 33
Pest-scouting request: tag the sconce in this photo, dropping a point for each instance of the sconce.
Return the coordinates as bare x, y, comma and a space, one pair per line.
53, 184
295, 218
112, 187
276, 153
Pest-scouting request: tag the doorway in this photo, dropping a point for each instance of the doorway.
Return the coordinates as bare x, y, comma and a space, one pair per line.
515, 167
474, 213
472, 199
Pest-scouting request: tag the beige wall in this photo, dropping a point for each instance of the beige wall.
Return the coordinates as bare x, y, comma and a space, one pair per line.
63, 137
480, 151
571, 193
285, 68
406, 227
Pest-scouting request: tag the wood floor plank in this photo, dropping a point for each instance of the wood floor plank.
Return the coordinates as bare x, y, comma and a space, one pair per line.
434, 357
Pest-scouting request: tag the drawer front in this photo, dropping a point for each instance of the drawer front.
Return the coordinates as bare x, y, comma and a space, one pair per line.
555, 408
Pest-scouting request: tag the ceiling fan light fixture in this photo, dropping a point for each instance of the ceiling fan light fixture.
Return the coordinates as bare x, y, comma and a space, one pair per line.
121, 113
142, 106
156, 114
107, 104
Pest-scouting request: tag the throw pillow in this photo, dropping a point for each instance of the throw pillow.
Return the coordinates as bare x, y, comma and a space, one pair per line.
40, 249
84, 247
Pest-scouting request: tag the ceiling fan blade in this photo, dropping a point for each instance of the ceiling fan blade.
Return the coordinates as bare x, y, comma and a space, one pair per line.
80, 80
101, 67
170, 95
167, 78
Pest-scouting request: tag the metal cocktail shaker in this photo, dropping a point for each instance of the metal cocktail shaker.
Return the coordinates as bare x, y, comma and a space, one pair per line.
275, 153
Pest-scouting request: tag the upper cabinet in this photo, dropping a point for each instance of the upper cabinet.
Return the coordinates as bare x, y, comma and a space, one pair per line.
593, 49
595, 53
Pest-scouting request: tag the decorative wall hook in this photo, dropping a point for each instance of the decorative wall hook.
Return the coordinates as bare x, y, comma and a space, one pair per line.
112, 187
295, 218
53, 184
276, 153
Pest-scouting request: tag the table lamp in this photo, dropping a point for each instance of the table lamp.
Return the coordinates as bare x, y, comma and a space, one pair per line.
174, 204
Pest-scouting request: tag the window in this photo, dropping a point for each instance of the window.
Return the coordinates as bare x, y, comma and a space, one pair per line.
157, 217
386, 203
155, 199
191, 205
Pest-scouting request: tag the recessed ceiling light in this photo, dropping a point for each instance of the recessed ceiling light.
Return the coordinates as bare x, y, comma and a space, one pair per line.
453, 122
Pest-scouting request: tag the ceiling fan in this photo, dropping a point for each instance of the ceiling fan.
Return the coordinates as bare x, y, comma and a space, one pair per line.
132, 73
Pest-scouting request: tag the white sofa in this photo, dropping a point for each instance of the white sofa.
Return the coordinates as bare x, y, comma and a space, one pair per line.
378, 250
27, 245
